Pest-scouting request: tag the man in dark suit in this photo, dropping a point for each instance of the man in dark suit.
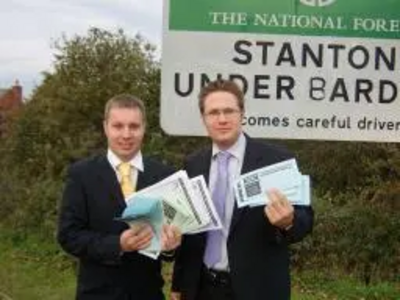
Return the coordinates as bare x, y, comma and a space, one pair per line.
110, 267
248, 259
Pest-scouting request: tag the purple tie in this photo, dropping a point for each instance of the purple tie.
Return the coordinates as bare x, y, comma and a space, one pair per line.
215, 237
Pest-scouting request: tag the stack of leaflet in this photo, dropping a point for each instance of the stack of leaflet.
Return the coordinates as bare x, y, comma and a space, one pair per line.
146, 210
176, 200
251, 188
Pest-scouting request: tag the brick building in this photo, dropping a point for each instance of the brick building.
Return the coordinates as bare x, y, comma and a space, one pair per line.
10, 102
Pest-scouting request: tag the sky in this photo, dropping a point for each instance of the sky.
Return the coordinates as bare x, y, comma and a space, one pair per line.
29, 27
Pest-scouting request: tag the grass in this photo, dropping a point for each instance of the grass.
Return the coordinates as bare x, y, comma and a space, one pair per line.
311, 286
34, 270
31, 269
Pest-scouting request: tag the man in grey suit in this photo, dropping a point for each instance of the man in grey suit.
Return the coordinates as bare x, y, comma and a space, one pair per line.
110, 267
249, 258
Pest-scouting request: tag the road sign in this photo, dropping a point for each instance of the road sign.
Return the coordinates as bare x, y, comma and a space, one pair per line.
311, 69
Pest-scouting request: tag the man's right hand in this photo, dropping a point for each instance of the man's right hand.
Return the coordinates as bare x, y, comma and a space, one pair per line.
136, 238
175, 296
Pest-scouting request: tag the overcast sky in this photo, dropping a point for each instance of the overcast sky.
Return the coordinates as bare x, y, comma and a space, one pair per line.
28, 28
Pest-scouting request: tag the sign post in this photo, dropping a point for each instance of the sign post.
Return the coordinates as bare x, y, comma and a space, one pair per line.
310, 69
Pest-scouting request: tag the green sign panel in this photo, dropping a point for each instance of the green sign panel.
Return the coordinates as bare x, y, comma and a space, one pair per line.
346, 18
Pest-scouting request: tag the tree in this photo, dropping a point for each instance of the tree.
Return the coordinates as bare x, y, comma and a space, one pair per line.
63, 120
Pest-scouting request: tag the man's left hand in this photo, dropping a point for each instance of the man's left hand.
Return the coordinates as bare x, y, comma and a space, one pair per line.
171, 237
279, 211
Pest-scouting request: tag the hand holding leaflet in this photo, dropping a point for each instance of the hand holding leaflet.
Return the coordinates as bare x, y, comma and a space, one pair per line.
176, 194
146, 210
177, 202
251, 188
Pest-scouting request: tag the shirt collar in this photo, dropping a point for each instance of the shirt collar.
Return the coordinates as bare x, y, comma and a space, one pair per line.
237, 150
136, 161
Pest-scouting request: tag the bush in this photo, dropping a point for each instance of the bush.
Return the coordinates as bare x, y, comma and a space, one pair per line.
363, 240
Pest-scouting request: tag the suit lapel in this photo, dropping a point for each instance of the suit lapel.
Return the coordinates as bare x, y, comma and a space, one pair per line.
108, 179
141, 181
142, 178
251, 161
204, 165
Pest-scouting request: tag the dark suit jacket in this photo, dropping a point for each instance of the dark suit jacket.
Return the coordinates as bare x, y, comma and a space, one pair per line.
257, 251
88, 230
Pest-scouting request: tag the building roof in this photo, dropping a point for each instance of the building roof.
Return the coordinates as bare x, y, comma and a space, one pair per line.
11, 98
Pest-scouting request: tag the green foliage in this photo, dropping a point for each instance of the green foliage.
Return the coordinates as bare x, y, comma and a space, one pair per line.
339, 167
33, 268
357, 203
63, 120
357, 239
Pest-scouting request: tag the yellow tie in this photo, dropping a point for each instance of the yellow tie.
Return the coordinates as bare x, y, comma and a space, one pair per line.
127, 187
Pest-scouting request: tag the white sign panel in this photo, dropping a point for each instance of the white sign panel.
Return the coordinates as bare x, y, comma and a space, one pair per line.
324, 70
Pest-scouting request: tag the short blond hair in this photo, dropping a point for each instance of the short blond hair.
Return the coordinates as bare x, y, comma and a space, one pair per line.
124, 101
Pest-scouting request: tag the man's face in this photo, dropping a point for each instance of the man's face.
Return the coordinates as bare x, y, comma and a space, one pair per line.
124, 130
222, 118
